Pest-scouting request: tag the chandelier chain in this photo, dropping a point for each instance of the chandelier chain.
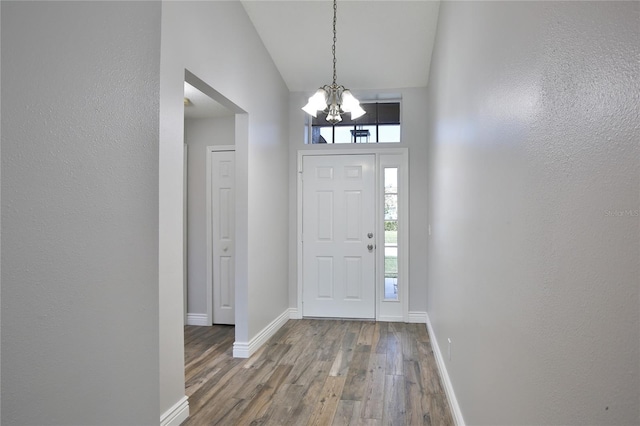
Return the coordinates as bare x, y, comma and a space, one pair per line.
333, 48
334, 100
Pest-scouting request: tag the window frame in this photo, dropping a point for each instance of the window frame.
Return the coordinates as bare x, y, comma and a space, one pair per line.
353, 127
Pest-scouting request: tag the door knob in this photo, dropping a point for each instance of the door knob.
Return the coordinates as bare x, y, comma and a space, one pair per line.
370, 247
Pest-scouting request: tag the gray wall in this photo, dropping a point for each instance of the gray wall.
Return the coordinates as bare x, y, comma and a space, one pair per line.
216, 41
80, 85
199, 134
534, 198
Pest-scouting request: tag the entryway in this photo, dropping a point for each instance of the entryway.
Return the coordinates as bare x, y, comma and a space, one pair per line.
353, 234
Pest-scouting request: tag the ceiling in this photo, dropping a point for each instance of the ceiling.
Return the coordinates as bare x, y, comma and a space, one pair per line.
381, 44
201, 105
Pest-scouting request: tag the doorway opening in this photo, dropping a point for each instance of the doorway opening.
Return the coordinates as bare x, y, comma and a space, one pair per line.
211, 124
206, 122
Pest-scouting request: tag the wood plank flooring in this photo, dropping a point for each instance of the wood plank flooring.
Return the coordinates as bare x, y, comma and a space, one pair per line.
316, 372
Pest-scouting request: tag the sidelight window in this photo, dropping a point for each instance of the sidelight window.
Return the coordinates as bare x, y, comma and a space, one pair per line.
391, 233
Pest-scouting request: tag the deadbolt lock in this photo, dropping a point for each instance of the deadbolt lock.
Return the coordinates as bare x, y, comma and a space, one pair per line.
370, 235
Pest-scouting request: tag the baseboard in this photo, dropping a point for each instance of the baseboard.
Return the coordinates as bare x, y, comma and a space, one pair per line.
294, 313
418, 317
389, 318
444, 375
176, 414
246, 349
197, 319
415, 316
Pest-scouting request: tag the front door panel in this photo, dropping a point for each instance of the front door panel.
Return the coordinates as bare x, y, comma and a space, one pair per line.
338, 253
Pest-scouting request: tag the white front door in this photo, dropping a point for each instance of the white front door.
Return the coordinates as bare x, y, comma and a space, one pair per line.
338, 241
222, 227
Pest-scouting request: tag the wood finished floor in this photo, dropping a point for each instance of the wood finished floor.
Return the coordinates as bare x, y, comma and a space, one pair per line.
316, 372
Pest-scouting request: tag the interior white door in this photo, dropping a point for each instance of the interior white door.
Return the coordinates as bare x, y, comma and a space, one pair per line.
222, 227
338, 244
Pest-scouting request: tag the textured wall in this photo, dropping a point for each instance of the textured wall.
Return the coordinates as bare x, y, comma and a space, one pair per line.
199, 134
534, 197
80, 85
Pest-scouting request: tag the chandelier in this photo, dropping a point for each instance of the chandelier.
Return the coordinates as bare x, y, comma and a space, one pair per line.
332, 99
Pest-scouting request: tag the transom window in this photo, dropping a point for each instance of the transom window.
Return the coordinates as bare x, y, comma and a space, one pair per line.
381, 124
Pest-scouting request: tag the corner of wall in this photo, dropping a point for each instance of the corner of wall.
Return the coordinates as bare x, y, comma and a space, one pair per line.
444, 376
175, 415
197, 319
417, 317
246, 349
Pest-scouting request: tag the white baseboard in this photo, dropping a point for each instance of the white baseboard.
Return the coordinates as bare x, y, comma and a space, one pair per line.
444, 375
415, 316
197, 319
418, 317
390, 318
176, 414
246, 349
294, 313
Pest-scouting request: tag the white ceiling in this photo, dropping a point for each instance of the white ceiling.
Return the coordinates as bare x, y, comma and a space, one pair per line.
382, 44
202, 106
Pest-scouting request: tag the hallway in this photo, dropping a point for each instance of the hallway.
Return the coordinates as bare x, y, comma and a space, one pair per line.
318, 372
